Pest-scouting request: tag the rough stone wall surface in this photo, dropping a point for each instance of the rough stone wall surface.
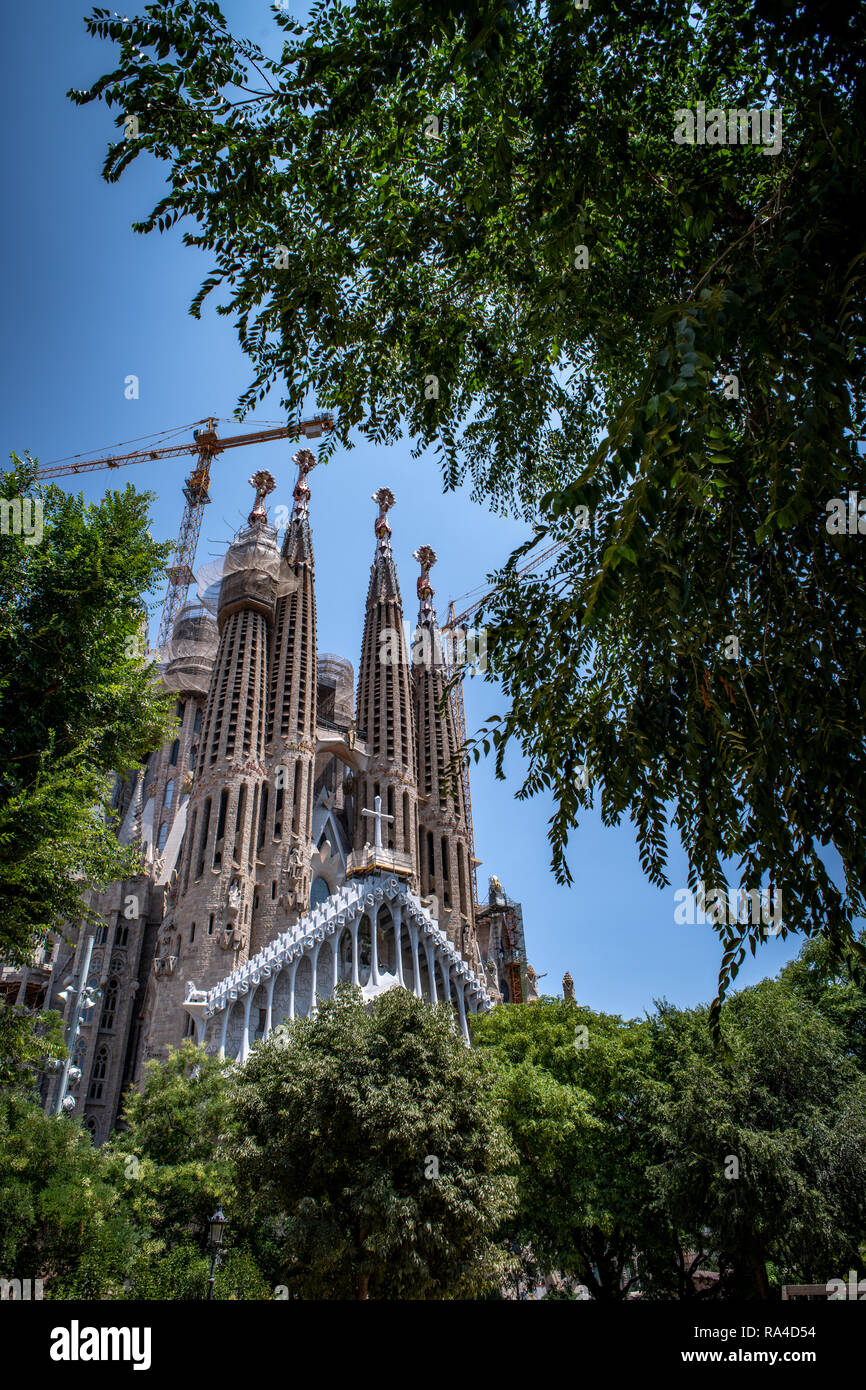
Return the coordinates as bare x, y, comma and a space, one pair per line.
102, 1049
284, 848
207, 931
445, 854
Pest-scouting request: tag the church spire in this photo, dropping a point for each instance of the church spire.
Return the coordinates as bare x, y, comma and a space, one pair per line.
263, 482
385, 499
384, 586
216, 873
444, 841
426, 557
384, 707
298, 542
284, 847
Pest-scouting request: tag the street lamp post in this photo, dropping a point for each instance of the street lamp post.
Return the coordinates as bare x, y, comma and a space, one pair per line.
84, 996
217, 1225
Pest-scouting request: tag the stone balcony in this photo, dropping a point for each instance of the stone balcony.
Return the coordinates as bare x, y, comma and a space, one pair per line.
373, 859
26, 985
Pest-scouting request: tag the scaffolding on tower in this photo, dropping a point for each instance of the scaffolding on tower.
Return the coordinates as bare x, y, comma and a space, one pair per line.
206, 445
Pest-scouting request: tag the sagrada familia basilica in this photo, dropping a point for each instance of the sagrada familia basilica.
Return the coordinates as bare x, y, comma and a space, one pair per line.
296, 832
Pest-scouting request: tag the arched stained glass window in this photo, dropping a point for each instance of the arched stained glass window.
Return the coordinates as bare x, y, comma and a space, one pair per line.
109, 1005
99, 1073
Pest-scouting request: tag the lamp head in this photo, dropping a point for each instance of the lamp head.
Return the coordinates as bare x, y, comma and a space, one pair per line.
217, 1225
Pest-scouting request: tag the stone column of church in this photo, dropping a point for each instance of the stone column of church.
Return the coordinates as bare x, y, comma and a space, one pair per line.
385, 707
284, 845
189, 666
210, 924
445, 844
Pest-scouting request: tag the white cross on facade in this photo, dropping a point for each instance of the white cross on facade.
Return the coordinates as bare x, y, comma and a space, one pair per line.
378, 815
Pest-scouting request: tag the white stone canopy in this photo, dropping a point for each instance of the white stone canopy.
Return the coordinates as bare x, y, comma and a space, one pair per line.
399, 945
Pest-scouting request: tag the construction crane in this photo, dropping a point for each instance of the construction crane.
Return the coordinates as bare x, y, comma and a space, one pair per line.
455, 624
206, 444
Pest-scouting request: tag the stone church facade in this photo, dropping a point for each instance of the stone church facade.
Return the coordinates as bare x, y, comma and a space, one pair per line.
298, 829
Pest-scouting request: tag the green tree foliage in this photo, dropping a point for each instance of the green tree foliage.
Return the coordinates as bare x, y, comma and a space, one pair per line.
128, 1220
572, 1086
62, 1215
318, 1151
171, 1158
28, 1042
76, 700
371, 1134
182, 1274
398, 196
764, 1144
591, 1146
61, 1219
648, 1154
815, 977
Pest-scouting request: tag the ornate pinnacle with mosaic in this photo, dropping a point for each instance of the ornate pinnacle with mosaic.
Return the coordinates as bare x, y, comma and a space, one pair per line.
306, 462
263, 482
426, 557
384, 499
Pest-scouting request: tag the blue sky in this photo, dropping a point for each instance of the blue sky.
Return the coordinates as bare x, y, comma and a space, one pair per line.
89, 303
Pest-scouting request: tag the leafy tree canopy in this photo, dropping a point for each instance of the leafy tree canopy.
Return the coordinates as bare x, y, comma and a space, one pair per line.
371, 1133
76, 700
815, 977
648, 1154
28, 1041
762, 1145
625, 1155
572, 1086
62, 1216
474, 224
171, 1154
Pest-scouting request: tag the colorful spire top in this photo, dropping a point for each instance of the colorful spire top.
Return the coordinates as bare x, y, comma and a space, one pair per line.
426, 557
306, 462
384, 499
263, 482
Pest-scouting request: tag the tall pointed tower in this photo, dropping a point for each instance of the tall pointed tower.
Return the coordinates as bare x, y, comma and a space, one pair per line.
385, 712
285, 827
444, 840
207, 933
